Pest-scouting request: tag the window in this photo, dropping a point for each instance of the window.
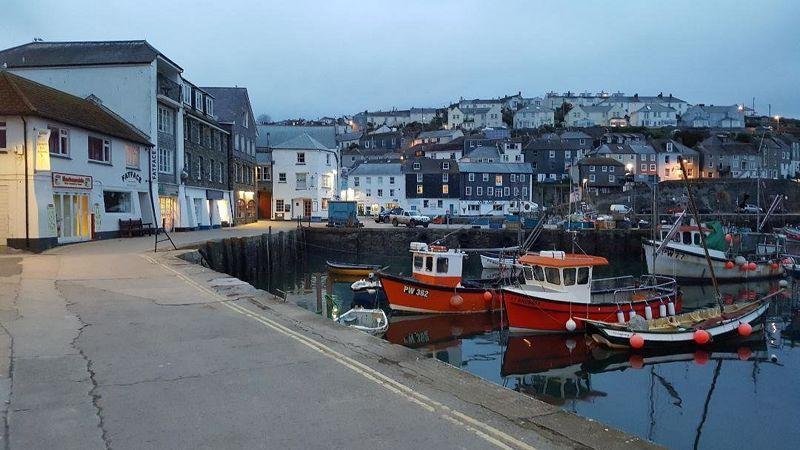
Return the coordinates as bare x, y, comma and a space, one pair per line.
583, 275
99, 149
441, 265
525, 191
117, 202
369, 192
506, 191
479, 191
369, 180
528, 273
486, 177
439, 203
468, 190
552, 154
445, 166
418, 261
59, 141
644, 167
415, 166
279, 205
391, 180
471, 177
419, 178
328, 159
498, 180
165, 120
3, 141
569, 276
301, 158
209, 106
513, 178
282, 177
391, 192
198, 100
591, 178
522, 178
246, 120
490, 191
380, 192
653, 167
611, 178
131, 156
591, 168
301, 180
356, 181
445, 177
429, 263
424, 203
187, 94
419, 189
324, 204
553, 275
605, 168
538, 273
445, 189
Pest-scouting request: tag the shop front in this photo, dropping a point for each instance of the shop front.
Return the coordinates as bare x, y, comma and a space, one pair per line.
246, 208
168, 205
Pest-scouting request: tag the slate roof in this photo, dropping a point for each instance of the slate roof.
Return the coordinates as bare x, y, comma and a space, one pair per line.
229, 103
661, 147
484, 151
377, 168
575, 135
301, 142
501, 167
599, 161
536, 109
272, 135
349, 136
22, 97
656, 107
435, 134
80, 53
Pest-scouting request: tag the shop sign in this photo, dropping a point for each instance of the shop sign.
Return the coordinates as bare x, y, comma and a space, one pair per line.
132, 177
213, 195
153, 165
68, 180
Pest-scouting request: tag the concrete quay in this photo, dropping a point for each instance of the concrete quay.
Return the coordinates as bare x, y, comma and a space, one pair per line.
108, 345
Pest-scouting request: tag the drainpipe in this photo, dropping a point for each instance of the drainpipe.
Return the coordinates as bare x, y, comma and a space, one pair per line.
27, 194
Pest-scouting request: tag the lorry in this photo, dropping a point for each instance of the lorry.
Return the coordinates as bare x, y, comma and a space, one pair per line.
409, 218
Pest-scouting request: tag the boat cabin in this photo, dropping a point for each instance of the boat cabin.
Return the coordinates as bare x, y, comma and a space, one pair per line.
436, 264
556, 271
688, 235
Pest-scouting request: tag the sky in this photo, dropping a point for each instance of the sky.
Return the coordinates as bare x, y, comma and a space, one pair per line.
302, 58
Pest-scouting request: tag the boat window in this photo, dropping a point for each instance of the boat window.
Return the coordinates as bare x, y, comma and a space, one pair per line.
553, 275
429, 263
528, 273
569, 276
687, 237
696, 237
418, 261
538, 273
583, 275
441, 265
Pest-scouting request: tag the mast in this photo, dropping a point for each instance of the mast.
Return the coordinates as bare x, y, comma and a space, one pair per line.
693, 208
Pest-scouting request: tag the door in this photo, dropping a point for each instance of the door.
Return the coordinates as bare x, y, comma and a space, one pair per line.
72, 217
264, 205
306, 208
198, 211
168, 209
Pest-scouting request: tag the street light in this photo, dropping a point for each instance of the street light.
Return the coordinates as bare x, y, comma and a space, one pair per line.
778, 123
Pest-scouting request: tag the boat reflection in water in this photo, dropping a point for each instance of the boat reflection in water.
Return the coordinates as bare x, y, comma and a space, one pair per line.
440, 335
702, 295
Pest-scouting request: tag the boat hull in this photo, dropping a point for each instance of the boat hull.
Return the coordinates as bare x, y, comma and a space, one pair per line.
410, 295
686, 264
528, 313
620, 338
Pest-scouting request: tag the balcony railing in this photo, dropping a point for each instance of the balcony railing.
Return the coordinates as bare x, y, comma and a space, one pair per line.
169, 88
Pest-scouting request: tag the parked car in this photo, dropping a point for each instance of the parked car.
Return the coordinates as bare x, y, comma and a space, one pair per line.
750, 209
383, 216
620, 209
410, 218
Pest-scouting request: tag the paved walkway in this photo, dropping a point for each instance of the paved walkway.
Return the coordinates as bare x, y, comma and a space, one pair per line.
105, 345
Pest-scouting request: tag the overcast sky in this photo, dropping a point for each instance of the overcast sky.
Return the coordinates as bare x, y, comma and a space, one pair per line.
316, 58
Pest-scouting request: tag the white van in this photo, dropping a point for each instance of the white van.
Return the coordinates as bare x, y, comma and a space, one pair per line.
620, 209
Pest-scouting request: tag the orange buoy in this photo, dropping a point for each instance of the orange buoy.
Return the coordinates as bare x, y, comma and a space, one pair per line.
702, 337
728, 237
487, 295
729, 265
456, 300
701, 357
744, 329
774, 266
752, 266
744, 353
636, 361
636, 341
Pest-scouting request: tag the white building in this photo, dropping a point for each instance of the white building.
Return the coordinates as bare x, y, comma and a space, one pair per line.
70, 169
534, 117
305, 178
475, 118
702, 116
376, 185
632, 103
654, 115
589, 116
136, 81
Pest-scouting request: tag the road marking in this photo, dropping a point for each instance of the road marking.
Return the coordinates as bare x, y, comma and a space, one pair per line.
487, 432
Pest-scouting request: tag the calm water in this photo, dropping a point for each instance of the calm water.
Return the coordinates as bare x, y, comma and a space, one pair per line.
742, 394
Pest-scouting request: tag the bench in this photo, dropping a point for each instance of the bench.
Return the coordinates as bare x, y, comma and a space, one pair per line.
134, 227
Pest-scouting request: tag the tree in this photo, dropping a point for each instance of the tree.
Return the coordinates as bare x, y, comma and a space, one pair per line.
508, 117
264, 119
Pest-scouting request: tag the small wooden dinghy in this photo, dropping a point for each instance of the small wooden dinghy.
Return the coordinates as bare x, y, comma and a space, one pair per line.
372, 321
340, 268
700, 327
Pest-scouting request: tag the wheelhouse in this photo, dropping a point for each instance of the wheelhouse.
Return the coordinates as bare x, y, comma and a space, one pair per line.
436, 264
555, 271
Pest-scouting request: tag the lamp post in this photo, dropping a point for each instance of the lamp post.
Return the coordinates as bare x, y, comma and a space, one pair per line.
777, 123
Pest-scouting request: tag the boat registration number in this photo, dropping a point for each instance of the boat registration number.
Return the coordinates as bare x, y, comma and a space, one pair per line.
415, 291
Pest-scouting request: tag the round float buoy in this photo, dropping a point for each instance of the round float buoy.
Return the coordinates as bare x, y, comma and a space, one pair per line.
636, 361
752, 266
571, 344
648, 312
662, 310
773, 265
620, 317
636, 341
744, 353
456, 300
783, 283
487, 295
740, 261
728, 238
702, 337
744, 329
671, 308
700, 357
571, 325
730, 265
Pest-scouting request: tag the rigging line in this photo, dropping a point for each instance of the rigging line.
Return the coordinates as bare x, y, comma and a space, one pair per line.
706, 404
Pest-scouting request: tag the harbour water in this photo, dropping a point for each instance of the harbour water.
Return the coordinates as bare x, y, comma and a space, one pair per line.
740, 394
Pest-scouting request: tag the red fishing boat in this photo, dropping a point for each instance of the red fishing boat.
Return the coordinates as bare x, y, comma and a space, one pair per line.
436, 285
559, 288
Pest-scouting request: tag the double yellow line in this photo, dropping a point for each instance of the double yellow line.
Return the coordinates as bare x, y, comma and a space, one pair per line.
487, 432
